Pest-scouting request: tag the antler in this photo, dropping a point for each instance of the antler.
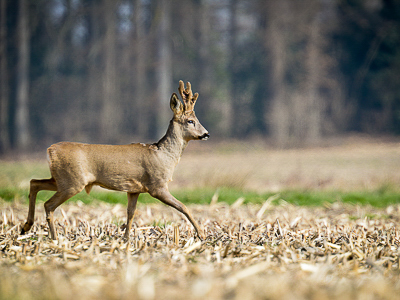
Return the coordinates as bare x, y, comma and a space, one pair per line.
188, 98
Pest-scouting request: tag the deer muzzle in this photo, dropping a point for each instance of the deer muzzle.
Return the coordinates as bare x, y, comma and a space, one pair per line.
204, 137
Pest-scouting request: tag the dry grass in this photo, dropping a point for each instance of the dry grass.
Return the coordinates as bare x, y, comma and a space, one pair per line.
251, 252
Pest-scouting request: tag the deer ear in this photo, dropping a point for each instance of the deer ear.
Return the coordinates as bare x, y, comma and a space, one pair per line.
176, 105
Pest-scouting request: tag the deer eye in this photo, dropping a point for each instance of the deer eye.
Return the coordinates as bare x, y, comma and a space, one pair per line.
191, 122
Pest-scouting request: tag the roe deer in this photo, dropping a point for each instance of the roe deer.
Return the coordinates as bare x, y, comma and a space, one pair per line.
133, 168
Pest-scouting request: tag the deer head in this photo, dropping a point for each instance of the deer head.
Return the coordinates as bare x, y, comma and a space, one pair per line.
184, 113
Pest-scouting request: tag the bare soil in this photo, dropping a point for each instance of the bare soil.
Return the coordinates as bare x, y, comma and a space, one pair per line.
351, 164
346, 164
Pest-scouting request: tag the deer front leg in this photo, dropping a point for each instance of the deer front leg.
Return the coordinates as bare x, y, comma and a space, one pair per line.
132, 201
36, 186
165, 196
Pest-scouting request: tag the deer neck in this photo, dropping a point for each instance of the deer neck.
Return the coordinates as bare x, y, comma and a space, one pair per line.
173, 142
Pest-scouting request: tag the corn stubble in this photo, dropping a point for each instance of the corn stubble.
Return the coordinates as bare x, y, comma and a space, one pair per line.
251, 252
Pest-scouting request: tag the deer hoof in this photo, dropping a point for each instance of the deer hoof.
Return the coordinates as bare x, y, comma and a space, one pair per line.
26, 228
201, 236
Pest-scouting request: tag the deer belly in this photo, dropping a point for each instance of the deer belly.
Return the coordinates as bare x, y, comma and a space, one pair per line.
126, 185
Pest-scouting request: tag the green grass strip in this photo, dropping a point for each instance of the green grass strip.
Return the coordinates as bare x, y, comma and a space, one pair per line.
382, 197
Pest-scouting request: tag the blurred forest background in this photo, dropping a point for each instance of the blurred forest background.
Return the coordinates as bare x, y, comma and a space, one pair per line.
102, 71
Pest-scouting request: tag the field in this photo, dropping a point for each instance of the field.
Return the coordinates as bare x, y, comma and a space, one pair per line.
259, 244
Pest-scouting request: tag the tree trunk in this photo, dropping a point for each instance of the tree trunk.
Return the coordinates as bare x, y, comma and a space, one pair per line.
205, 63
275, 41
94, 71
22, 109
140, 49
4, 93
314, 101
164, 68
109, 114
234, 95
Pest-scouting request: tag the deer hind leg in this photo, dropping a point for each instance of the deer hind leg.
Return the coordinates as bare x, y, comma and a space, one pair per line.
165, 196
132, 201
55, 201
36, 186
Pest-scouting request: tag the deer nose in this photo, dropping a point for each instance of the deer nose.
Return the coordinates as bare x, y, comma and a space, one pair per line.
204, 136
